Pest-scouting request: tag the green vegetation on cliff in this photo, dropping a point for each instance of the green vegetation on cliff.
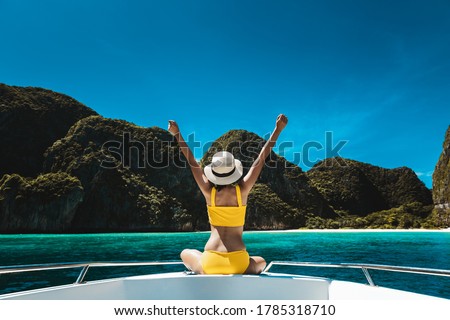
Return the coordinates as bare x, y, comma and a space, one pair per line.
265, 210
31, 120
357, 188
125, 189
66, 169
441, 185
290, 184
46, 203
413, 215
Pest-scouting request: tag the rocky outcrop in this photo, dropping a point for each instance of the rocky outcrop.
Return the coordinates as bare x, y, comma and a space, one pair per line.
132, 177
31, 119
281, 181
441, 184
75, 171
136, 179
357, 188
267, 211
47, 203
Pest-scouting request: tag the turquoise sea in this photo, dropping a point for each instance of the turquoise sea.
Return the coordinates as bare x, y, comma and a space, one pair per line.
416, 249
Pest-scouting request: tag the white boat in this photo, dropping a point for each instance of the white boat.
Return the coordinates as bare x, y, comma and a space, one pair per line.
186, 285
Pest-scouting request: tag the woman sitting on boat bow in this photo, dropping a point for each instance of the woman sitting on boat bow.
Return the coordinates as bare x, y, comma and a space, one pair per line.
226, 194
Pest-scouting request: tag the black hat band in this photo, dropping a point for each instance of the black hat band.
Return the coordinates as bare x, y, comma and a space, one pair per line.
223, 175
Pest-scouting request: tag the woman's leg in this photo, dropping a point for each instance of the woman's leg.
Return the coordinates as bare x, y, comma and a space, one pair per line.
191, 259
256, 266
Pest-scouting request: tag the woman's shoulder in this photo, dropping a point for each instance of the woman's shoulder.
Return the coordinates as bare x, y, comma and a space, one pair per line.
243, 187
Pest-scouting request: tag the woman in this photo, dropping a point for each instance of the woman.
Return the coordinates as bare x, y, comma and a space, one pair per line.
226, 197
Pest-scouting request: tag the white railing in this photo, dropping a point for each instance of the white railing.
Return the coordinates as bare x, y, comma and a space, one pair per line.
363, 267
87, 265
84, 267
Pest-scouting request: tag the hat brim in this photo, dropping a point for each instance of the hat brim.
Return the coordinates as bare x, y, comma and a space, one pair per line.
221, 181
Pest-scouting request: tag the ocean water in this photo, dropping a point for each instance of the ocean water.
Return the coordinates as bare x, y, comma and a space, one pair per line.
415, 249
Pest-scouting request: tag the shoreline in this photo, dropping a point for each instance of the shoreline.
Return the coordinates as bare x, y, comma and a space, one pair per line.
245, 232
349, 230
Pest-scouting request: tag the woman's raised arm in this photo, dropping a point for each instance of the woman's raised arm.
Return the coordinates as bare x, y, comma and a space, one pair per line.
253, 174
197, 171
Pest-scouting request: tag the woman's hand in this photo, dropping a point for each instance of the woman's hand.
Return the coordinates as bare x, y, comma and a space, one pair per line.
281, 123
197, 171
252, 175
173, 127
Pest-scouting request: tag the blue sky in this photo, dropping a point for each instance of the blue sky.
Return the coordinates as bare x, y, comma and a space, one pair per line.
374, 73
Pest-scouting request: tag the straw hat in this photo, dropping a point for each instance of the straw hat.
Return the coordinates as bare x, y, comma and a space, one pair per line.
224, 169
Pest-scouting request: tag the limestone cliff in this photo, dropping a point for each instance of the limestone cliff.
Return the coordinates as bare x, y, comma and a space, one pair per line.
353, 187
136, 179
129, 175
47, 203
280, 182
66, 169
31, 119
441, 184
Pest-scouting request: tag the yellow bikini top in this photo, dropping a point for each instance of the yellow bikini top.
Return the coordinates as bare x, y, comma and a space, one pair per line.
221, 216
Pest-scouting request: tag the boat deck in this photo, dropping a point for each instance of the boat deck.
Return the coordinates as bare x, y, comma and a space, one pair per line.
187, 286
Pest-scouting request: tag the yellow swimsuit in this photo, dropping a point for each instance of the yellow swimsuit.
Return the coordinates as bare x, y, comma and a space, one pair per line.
226, 216
235, 262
